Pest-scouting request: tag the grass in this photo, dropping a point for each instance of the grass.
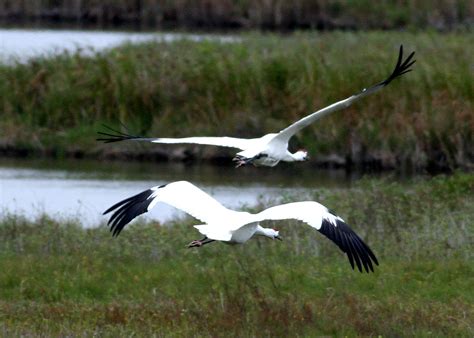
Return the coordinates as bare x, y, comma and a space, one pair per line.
59, 279
55, 106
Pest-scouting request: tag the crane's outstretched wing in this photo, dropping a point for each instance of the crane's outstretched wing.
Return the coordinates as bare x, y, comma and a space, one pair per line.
231, 142
330, 225
181, 195
401, 68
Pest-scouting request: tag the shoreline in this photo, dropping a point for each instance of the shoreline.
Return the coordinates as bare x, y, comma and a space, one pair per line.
54, 107
361, 162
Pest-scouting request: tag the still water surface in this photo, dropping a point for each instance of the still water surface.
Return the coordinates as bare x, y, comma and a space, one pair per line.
23, 44
84, 189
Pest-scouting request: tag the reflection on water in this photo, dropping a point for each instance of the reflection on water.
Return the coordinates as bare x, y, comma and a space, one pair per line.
23, 44
84, 189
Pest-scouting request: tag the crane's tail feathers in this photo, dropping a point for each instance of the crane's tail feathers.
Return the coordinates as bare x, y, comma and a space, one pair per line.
402, 67
116, 136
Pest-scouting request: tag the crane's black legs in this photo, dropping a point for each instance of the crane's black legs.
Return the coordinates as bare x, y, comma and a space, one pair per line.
241, 160
199, 243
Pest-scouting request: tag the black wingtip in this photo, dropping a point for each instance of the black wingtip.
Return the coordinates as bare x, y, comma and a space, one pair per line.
127, 209
358, 253
401, 67
115, 135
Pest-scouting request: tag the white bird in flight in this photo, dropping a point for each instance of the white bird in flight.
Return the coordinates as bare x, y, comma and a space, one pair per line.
269, 149
237, 227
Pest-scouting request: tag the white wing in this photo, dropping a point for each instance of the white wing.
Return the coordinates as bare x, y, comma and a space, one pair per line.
231, 142
330, 225
400, 69
308, 211
181, 195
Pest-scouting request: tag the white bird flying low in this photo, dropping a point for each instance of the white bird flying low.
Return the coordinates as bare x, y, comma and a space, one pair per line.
270, 149
237, 227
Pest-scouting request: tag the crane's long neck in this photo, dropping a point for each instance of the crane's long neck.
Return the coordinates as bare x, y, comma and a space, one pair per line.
267, 232
290, 157
295, 157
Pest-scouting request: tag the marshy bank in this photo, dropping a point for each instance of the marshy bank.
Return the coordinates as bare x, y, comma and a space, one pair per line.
60, 279
423, 121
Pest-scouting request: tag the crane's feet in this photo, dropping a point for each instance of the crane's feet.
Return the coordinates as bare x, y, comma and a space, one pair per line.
240, 161
195, 243
199, 243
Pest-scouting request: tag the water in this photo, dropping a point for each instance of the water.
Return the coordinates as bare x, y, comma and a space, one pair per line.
84, 189
23, 44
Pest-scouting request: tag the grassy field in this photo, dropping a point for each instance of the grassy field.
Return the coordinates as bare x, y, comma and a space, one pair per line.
58, 279
259, 85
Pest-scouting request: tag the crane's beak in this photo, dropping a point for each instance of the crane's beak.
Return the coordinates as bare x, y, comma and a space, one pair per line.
279, 238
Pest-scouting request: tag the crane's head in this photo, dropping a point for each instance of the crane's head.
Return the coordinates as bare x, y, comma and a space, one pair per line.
275, 234
301, 155
268, 232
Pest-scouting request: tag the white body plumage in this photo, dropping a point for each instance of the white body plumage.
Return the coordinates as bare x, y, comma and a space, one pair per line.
269, 149
237, 227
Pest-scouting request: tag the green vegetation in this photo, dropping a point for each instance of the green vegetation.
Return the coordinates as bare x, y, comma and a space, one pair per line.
58, 279
321, 14
258, 85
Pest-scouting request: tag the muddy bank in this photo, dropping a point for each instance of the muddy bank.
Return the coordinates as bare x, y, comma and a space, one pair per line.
358, 160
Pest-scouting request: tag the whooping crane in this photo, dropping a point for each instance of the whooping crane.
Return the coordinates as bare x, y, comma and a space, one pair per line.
269, 149
237, 227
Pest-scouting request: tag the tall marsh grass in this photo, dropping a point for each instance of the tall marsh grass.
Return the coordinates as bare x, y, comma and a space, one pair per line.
59, 279
256, 85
